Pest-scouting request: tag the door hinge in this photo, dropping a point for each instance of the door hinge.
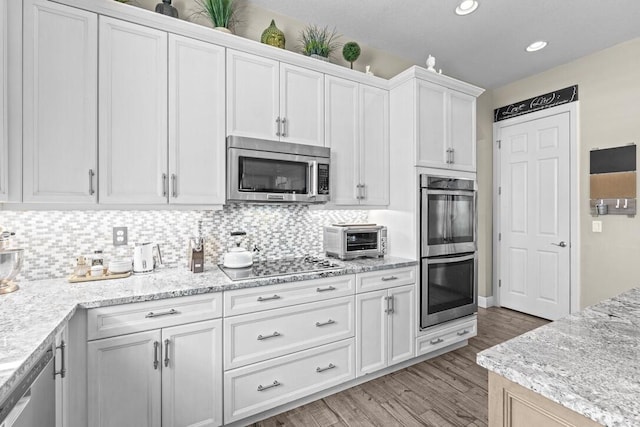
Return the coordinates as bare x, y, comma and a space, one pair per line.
499, 236
499, 283
499, 142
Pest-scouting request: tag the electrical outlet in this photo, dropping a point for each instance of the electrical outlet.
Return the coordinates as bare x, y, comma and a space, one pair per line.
119, 236
596, 226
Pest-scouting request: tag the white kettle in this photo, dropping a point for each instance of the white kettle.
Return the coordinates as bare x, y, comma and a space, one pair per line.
144, 260
237, 257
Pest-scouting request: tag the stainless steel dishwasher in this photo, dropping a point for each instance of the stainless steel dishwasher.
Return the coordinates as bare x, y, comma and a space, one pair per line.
32, 402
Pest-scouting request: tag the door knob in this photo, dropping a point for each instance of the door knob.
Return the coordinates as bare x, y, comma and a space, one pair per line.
562, 244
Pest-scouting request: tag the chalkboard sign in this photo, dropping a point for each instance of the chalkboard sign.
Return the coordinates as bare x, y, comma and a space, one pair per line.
542, 102
617, 159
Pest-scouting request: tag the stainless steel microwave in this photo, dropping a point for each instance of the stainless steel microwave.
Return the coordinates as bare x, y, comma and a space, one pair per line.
271, 171
349, 241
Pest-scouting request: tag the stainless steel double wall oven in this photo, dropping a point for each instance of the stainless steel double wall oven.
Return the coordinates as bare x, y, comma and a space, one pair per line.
449, 263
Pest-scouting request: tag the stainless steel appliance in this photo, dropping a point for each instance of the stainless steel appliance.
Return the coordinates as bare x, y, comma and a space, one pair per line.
270, 171
349, 241
449, 264
32, 401
280, 267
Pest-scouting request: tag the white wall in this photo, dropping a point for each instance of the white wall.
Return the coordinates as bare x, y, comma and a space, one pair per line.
609, 92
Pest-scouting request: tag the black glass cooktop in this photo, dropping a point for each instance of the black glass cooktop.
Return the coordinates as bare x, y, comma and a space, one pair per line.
280, 267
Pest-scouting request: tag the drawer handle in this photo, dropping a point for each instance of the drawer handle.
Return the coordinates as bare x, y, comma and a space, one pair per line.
266, 337
436, 341
387, 278
328, 322
164, 313
269, 298
328, 288
319, 369
156, 344
166, 352
275, 384
461, 333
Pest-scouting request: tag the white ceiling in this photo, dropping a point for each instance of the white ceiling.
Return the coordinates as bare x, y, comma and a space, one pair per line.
485, 48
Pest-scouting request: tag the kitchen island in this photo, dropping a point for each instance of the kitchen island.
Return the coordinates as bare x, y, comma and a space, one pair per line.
581, 370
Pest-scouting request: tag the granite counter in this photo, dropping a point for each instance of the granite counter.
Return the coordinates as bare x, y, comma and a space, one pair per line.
31, 317
588, 362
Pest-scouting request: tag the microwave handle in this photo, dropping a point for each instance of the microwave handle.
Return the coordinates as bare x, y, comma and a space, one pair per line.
313, 178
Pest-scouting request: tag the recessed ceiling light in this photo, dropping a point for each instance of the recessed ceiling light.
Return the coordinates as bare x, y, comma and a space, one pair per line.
540, 44
466, 7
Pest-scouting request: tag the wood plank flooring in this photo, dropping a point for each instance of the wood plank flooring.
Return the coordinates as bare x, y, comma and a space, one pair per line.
449, 390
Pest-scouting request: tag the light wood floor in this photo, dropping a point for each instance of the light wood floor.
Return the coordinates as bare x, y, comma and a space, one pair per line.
449, 390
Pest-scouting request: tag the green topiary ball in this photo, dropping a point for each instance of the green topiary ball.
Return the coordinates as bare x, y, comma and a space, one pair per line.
351, 52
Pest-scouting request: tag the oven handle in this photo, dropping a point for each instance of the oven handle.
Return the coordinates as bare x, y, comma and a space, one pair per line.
468, 193
450, 259
313, 178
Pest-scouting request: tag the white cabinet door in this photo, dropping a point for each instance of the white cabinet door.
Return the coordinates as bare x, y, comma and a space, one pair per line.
192, 375
342, 133
462, 129
431, 121
4, 137
196, 122
124, 380
371, 332
301, 105
252, 96
60, 103
61, 361
374, 146
132, 113
402, 324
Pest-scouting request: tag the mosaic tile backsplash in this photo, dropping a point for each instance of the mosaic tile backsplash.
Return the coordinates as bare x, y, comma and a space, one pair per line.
53, 239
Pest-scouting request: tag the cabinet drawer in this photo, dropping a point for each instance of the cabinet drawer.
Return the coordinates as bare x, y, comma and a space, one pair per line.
123, 319
260, 336
248, 300
446, 335
262, 386
376, 280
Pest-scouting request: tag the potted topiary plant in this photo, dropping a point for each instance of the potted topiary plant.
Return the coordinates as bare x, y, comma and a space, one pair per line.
221, 13
318, 42
351, 52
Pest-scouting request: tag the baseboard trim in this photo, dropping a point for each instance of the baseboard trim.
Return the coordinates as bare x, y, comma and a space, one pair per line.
485, 302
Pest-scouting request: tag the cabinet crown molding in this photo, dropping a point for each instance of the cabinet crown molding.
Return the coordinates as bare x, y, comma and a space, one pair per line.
417, 72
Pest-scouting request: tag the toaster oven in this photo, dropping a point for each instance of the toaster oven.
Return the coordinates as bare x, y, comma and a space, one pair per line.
349, 241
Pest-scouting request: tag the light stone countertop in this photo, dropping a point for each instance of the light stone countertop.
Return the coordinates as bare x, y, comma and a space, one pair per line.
31, 317
588, 362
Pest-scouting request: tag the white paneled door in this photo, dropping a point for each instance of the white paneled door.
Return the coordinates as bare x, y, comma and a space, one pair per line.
535, 216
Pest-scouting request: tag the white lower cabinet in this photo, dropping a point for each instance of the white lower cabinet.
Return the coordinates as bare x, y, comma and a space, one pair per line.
385, 328
163, 377
447, 334
60, 368
262, 386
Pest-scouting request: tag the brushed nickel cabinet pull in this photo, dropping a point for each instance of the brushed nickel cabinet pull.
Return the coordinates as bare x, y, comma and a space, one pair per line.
164, 184
319, 369
275, 384
261, 299
166, 352
63, 370
436, 341
278, 126
461, 333
91, 175
387, 278
328, 288
284, 127
156, 344
328, 322
266, 337
174, 185
171, 312
391, 304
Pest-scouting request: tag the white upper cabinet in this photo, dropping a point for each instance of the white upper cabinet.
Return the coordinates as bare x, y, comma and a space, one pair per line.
133, 113
272, 100
196, 122
446, 128
60, 103
357, 131
4, 137
301, 105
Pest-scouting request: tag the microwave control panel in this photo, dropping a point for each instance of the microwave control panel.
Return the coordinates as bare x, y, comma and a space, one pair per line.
323, 179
